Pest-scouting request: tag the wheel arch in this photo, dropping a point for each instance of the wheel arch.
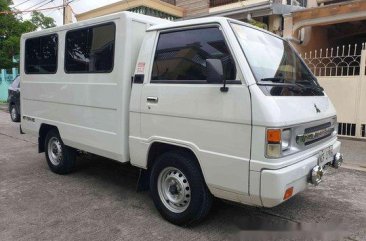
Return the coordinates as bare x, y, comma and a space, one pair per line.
157, 148
43, 130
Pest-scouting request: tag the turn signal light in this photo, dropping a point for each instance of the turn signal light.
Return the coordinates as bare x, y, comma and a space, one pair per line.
288, 193
273, 135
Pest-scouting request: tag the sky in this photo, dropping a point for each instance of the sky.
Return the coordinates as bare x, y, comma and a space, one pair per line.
78, 6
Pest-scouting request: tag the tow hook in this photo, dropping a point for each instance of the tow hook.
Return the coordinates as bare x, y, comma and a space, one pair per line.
338, 160
316, 175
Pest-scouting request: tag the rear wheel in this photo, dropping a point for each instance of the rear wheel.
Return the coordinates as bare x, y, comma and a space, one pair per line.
14, 114
60, 158
178, 189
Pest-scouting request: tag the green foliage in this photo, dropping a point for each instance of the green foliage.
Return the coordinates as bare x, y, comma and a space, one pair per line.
41, 21
12, 27
258, 24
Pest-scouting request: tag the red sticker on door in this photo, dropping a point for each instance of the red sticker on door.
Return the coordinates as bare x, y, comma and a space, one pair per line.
140, 68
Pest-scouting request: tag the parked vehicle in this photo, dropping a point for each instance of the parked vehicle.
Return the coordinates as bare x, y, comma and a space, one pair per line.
215, 108
14, 100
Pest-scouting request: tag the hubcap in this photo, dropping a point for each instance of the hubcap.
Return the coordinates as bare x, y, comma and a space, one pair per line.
55, 151
13, 113
174, 190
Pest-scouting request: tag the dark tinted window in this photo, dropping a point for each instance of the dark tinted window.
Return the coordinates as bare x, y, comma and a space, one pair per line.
182, 55
41, 55
90, 50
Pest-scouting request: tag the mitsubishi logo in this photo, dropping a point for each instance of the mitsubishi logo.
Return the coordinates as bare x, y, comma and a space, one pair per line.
317, 109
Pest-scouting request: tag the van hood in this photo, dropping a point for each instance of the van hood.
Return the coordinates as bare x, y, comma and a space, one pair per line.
279, 111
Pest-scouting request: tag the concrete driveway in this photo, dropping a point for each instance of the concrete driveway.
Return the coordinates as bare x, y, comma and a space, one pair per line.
99, 202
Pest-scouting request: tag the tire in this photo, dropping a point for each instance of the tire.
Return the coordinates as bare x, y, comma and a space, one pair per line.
14, 114
184, 185
60, 158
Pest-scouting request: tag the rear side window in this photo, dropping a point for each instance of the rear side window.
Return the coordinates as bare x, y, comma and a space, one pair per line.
90, 50
181, 56
41, 55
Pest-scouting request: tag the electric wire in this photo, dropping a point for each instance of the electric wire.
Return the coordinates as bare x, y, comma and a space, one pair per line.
35, 5
32, 10
21, 3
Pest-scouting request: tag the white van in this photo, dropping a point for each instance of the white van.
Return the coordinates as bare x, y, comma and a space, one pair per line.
209, 107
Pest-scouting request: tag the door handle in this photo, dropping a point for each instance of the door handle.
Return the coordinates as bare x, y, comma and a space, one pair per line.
152, 99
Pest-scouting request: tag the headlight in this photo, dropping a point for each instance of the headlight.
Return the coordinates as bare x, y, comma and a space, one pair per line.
277, 141
286, 138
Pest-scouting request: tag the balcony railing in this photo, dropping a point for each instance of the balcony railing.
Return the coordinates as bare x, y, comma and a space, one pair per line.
301, 3
216, 3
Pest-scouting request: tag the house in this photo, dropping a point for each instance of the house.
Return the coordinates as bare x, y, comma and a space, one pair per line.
331, 37
267, 12
327, 24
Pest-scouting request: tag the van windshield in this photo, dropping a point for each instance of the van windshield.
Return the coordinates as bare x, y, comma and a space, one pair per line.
277, 68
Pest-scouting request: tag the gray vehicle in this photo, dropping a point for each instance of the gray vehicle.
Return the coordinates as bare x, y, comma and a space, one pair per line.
14, 100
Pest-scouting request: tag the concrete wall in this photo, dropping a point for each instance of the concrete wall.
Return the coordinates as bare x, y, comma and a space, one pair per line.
315, 38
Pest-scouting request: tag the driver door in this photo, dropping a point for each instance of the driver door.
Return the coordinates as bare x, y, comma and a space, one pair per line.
179, 106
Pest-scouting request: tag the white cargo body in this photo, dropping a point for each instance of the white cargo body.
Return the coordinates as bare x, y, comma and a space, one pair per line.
90, 110
208, 107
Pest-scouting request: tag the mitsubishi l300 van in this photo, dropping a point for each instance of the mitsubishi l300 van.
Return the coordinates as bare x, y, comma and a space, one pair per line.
209, 107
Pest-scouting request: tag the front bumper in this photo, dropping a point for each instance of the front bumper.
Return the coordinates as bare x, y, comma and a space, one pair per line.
274, 183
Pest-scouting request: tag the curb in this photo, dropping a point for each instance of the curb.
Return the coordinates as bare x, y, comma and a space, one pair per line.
354, 167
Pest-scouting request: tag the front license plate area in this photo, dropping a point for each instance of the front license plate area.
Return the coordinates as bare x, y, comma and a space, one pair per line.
325, 156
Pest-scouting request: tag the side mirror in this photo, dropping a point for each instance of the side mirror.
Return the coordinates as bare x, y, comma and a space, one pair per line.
215, 73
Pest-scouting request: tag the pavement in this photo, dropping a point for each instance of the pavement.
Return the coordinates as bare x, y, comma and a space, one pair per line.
3, 106
99, 202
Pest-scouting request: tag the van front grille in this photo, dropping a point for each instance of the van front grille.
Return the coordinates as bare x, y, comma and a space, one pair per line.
318, 128
314, 134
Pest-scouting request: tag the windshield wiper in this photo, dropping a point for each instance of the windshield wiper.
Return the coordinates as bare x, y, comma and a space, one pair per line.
279, 81
311, 87
295, 87
274, 79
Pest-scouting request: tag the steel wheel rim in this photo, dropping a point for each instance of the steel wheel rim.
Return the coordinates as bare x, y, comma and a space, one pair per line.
174, 190
13, 113
55, 151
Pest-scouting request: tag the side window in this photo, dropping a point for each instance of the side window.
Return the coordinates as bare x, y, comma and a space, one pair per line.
181, 56
90, 50
41, 55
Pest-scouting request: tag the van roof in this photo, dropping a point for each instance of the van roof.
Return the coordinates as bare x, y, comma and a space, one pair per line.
158, 23
98, 20
182, 23
204, 20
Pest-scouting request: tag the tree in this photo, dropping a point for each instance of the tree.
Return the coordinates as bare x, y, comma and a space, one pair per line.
258, 24
41, 21
12, 27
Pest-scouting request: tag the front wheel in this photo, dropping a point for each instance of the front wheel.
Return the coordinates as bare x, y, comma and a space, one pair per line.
178, 189
60, 158
14, 114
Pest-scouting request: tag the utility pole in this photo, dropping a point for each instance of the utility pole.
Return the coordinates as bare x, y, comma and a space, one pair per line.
67, 12
64, 11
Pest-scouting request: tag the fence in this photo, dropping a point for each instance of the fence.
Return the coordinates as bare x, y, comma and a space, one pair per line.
341, 71
5, 81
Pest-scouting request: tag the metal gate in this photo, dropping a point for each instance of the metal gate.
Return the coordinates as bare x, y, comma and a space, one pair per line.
6, 78
341, 71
